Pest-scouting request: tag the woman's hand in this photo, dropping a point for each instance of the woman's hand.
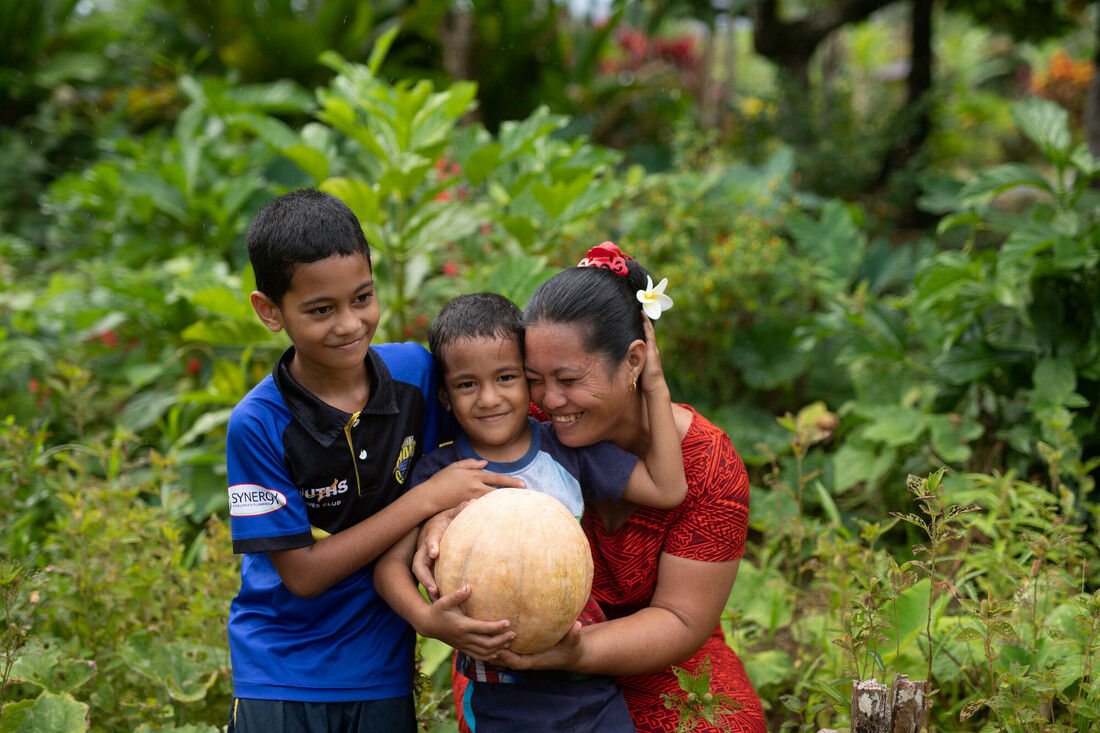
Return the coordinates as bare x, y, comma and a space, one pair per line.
563, 655
652, 378
427, 549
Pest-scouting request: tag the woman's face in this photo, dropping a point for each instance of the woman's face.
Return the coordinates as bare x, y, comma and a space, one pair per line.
582, 395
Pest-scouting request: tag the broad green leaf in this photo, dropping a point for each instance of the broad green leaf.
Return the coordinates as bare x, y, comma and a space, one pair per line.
481, 163
515, 276
516, 137
443, 223
965, 218
947, 441
409, 171
943, 276
769, 667
312, 162
1046, 124
970, 361
991, 182
361, 198
1075, 253
14, 712
761, 597
522, 228
555, 197
271, 130
186, 671
1054, 381
50, 669
968, 634
144, 409
222, 301
278, 97
340, 114
895, 425
1083, 159
833, 240
228, 332
854, 464
207, 422
381, 48
56, 713
165, 196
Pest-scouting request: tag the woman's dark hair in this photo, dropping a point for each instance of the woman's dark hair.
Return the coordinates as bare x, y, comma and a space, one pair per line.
476, 315
297, 228
601, 303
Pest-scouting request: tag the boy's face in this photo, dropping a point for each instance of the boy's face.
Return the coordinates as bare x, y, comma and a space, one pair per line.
485, 387
330, 313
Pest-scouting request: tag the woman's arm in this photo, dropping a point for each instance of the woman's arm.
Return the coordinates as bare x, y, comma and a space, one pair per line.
686, 607
658, 478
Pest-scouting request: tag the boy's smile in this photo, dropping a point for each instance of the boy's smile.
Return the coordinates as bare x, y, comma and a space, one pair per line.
331, 314
485, 387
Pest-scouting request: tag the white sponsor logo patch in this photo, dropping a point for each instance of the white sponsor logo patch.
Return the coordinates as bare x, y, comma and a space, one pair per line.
249, 500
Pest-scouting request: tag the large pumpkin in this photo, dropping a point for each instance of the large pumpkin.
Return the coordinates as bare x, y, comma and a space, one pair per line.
525, 558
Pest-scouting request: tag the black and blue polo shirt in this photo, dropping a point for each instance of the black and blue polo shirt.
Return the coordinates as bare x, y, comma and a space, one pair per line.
300, 470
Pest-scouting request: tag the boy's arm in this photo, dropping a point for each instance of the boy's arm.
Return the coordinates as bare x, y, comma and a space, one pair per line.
309, 571
658, 478
441, 620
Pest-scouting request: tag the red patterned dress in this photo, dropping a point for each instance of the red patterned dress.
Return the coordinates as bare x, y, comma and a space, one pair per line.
711, 526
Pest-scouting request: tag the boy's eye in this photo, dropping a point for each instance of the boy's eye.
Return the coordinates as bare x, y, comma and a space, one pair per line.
321, 310
465, 385
363, 298
507, 378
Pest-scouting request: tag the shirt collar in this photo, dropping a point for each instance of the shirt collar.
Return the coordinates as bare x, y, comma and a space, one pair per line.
321, 420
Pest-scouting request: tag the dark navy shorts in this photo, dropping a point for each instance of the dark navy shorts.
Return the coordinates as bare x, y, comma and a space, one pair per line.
393, 715
593, 705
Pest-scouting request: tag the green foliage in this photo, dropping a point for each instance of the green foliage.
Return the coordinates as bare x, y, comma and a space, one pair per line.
125, 625
125, 322
698, 704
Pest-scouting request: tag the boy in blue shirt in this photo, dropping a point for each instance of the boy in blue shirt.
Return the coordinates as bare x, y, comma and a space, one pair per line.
477, 343
319, 457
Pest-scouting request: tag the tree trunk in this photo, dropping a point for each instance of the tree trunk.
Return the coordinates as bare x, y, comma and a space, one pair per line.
1092, 103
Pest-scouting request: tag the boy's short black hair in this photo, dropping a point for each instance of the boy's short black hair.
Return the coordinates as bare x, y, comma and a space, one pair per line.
297, 228
477, 315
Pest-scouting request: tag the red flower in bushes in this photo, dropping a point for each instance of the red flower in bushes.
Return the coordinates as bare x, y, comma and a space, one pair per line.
109, 339
194, 365
450, 269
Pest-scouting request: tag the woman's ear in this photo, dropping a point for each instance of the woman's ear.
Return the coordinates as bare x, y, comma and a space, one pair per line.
635, 358
267, 311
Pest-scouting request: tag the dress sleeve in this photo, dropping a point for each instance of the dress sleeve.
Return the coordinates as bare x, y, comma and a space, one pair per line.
713, 520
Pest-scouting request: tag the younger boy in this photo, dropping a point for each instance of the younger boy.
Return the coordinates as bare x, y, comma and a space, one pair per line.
477, 343
319, 456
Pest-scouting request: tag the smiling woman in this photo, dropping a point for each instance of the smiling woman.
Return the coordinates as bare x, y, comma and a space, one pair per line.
662, 576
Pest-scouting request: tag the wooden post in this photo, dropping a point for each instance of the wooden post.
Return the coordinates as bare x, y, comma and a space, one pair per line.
877, 709
870, 707
910, 705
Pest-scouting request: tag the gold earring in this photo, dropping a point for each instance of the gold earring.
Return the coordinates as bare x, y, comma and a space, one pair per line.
634, 386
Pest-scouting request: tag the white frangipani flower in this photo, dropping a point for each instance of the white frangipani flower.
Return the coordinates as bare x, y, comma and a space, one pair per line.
653, 299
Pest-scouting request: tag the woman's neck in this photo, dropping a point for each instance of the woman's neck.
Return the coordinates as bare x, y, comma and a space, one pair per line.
631, 431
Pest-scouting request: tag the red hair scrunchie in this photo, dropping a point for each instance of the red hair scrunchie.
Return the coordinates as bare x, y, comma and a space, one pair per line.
607, 256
